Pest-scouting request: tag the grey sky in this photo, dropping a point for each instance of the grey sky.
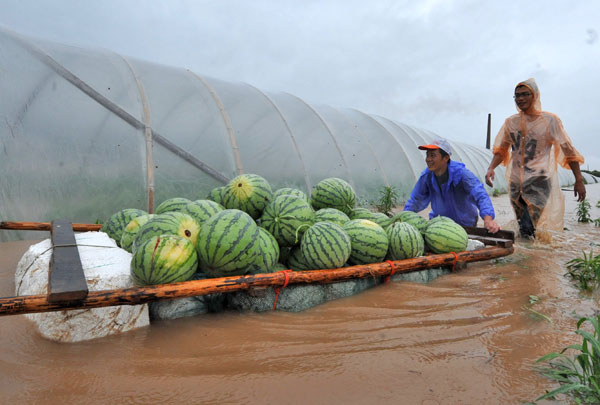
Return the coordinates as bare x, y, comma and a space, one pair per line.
438, 65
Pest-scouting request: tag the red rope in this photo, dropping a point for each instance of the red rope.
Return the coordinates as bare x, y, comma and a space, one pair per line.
278, 290
388, 277
455, 261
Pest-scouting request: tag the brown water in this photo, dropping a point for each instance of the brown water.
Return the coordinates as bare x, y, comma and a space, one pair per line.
465, 338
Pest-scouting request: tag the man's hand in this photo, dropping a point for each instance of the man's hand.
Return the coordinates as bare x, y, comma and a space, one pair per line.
579, 190
490, 224
489, 177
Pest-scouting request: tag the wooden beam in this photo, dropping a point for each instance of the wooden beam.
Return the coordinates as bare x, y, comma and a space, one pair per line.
45, 226
66, 280
501, 238
140, 295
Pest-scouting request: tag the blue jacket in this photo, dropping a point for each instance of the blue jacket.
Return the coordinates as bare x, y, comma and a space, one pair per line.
460, 198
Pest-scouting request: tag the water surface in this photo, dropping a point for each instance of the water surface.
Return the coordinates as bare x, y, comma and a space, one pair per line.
469, 337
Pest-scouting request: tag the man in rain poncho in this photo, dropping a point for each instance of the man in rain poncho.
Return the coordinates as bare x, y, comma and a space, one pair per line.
531, 144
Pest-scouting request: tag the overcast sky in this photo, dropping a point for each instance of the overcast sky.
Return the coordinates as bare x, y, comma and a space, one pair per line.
437, 65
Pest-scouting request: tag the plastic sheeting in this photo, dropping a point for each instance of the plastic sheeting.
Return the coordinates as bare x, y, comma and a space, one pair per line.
86, 132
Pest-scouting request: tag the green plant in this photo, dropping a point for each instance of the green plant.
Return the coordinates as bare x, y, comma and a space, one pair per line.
597, 222
388, 199
585, 270
578, 377
496, 192
598, 204
583, 211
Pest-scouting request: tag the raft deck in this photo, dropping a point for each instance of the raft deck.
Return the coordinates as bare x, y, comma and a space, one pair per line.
67, 288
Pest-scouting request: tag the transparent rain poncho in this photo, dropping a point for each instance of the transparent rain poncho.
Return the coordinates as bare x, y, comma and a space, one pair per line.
531, 144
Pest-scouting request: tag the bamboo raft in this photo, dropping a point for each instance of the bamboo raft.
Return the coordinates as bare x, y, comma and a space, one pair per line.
67, 288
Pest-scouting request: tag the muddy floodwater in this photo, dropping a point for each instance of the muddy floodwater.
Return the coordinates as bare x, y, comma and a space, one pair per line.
470, 337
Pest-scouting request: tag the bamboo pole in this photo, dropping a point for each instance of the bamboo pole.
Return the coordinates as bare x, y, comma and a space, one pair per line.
45, 226
140, 295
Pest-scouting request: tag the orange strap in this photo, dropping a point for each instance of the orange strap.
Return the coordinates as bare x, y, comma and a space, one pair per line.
455, 261
278, 290
388, 277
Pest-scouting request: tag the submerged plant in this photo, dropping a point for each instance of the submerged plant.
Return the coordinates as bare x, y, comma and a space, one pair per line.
578, 377
586, 270
583, 211
388, 199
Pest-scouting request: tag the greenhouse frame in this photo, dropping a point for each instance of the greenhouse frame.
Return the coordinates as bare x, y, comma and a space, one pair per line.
87, 132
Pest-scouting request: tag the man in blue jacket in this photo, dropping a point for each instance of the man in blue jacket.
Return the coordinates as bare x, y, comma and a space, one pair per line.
452, 190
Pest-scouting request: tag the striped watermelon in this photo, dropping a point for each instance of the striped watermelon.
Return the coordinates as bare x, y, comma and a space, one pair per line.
169, 223
228, 243
217, 195
405, 241
131, 230
444, 236
296, 261
331, 215
290, 191
360, 213
369, 241
164, 259
201, 210
117, 222
172, 205
412, 218
268, 253
284, 218
381, 219
325, 245
333, 193
249, 193
436, 219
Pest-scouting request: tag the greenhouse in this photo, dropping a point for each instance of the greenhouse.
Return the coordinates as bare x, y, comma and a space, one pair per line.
87, 132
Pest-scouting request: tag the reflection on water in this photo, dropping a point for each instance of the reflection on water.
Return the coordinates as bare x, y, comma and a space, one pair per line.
468, 337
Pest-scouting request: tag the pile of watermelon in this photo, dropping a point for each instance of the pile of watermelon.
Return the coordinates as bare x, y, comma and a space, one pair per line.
245, 227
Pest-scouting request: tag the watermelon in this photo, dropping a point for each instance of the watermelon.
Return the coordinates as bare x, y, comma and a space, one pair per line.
381, 219
228, 243
164, 259
360, 213
249, 193
169, 223
325, 245
296, 261
217, 195
369, 241
130, 231
412, 218
333, 193
289, 191
405, 241
284, 218
201, 210
172, 205
443, 236
115, 225
438, 218
331, 215
268, 253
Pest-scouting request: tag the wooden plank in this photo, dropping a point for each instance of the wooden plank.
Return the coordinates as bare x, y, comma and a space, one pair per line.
140, 295
45, 226
66, 280
501, 234
492, 241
